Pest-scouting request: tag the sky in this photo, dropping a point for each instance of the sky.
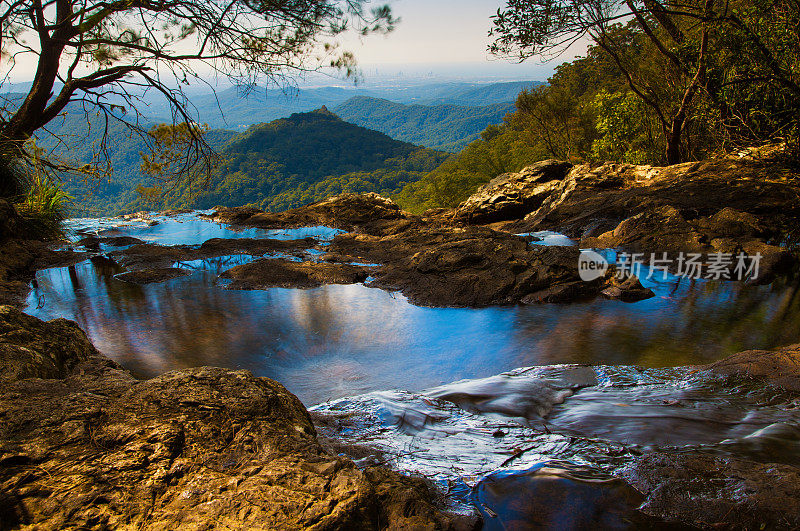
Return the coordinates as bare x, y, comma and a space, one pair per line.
435, 40
443, 36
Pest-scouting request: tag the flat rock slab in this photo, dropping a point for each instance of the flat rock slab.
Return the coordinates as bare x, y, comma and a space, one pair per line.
153, 276
279, 273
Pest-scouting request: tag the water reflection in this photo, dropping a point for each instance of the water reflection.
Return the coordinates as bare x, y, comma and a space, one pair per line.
339, 341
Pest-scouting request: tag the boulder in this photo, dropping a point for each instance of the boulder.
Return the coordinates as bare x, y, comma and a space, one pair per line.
31, 348
513, 195
629, 289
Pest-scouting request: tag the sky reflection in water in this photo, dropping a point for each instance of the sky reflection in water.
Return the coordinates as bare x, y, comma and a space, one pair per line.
339, 341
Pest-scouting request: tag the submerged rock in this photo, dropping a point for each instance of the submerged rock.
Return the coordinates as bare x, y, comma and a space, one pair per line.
90, 446
711, 492
558, 495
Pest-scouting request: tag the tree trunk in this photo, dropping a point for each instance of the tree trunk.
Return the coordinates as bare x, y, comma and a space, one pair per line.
673, 151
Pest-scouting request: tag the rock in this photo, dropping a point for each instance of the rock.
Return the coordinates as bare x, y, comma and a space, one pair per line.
628, 290
10, 222
346, 211
780, 367
91, 447
253, 246
471, 266
152, 276
30, 348
710, 491
513, 195
279, 273
153, 256
150, 256
662, 229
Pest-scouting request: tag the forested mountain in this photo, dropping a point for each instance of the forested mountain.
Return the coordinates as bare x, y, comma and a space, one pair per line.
304, 158
233, 109
476, 95
444, 127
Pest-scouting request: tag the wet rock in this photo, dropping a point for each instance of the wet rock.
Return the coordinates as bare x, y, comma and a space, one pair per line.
717, 492
482, 270
468, 266
254, 246
346, 211
278, 273
628, 290
153, 256
150, 256
513, 195
152, 276
526, 399
780, 367
91, 447
558, 495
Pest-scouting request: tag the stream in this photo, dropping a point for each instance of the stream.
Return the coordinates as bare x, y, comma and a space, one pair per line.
479, 400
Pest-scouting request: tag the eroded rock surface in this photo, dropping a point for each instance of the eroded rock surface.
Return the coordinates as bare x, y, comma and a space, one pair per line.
714, 206
89, 446
473, 266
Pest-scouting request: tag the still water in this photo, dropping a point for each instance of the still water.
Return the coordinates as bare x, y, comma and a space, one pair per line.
338, 341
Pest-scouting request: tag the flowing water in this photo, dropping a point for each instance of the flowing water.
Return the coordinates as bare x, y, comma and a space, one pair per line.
383, 369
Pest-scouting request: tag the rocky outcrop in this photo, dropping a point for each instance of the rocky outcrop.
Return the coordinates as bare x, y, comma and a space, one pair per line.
85, 445
445, 266
513, 195
279, 273
346, 212
715, 206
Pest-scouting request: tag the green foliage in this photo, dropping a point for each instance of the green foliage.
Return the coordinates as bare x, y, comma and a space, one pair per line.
504, 150
43, 208
624, 131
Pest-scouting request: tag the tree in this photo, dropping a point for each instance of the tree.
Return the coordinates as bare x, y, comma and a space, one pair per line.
671, 54
102, 56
